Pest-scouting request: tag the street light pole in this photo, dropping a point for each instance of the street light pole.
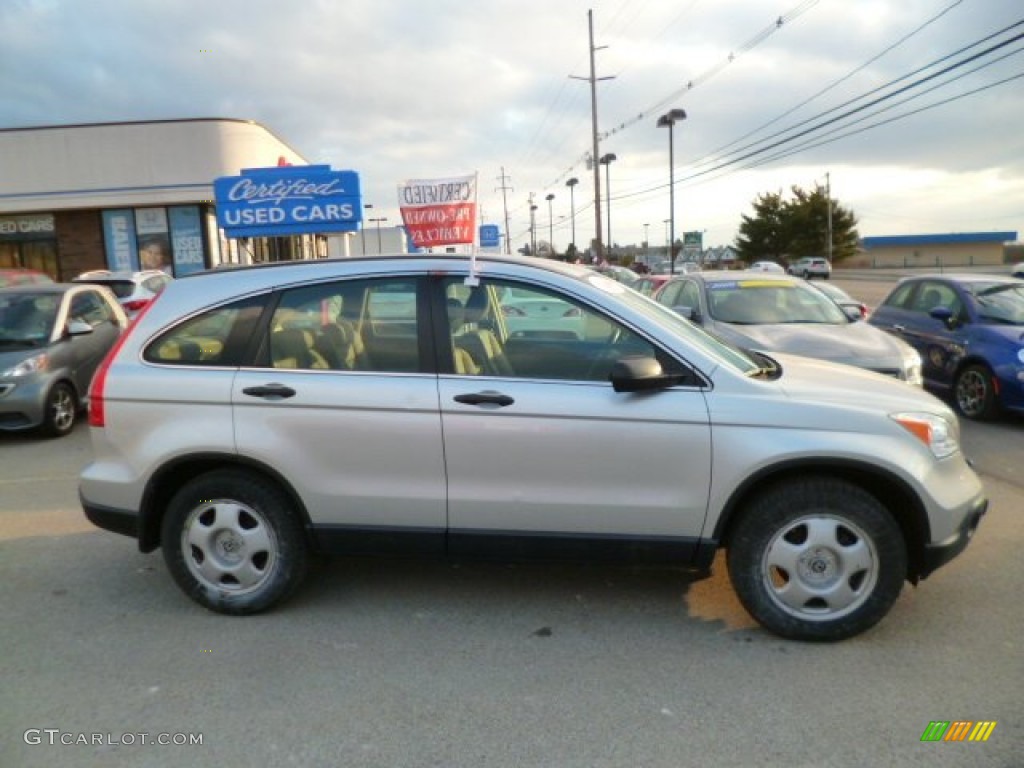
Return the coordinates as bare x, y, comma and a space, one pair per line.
533, 229
362, 232
380, 245
607, 160
571, 184
669, 120
551, 224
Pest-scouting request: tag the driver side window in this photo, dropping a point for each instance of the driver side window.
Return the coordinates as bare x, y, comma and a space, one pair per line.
510, 330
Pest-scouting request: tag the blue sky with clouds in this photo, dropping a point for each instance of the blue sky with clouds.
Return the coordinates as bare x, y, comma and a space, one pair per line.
399, 89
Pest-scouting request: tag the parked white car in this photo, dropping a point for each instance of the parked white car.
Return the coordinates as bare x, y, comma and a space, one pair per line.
766, 266
810, 267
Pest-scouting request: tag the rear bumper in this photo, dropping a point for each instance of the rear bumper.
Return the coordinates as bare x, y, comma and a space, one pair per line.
123, 521
937, 555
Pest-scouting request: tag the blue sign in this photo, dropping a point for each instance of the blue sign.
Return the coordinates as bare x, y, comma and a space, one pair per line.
490, 236
288, 200
119, 237
186, 239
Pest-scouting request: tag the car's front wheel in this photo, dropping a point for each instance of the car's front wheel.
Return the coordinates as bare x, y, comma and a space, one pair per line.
975, 392
61, 410
817, 559
234, 542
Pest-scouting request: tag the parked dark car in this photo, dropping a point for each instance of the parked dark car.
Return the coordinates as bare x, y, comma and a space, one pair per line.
968, 329
52, 338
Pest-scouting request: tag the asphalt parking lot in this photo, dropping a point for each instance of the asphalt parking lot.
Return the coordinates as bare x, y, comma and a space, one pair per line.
391, 663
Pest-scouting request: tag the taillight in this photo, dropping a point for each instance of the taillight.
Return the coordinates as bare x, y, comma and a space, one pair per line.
97, 405
135, 305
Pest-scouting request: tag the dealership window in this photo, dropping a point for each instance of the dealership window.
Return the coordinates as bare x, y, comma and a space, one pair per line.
169, 239
28, 241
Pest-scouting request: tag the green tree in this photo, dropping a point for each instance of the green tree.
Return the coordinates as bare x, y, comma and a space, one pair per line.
789, 229
764, 235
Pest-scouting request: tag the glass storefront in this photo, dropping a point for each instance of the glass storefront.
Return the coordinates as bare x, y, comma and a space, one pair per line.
169, 238
29, 241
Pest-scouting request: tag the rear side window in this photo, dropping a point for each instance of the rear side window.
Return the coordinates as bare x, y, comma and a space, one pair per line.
352, 325
900, 298
217, 337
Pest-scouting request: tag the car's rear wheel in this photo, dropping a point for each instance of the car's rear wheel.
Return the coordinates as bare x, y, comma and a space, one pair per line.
817, 559
233, 542
61, 410
975, 393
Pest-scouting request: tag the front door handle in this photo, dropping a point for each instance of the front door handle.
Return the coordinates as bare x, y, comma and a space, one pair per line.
270, 392
898, 328
488, 397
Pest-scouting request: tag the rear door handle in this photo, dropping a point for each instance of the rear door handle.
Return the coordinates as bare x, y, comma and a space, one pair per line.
270, 392
485, 398
898, 328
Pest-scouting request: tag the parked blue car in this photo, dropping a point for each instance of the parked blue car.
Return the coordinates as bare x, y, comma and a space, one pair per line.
969, 330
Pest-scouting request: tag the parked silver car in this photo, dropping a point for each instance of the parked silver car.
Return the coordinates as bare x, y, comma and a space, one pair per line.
52, 338
778, 313
253, 417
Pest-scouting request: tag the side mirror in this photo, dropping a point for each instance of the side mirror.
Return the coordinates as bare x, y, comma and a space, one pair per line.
944, 315
853, 313
78, 328
640, 374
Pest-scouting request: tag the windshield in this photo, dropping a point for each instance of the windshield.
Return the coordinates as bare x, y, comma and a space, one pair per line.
692, 334
768, 302
1000, 302
27, 319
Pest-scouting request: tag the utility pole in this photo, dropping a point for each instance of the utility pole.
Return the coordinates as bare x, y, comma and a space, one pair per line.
828, 202
504, 201
599, 249
533, 227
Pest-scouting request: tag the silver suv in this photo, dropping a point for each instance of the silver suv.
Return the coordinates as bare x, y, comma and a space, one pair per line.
810, 267
397, 405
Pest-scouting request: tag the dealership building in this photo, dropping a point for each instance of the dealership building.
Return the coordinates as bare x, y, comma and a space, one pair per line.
133, 195
958, 249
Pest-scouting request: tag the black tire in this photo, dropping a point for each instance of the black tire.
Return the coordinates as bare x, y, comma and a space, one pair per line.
974, 393
61, 410
234, 542
846, 555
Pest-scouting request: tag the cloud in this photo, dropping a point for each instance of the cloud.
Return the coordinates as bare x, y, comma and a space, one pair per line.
399, 89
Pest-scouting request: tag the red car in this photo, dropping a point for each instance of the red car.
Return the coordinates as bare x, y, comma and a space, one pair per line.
648, 284
14, 276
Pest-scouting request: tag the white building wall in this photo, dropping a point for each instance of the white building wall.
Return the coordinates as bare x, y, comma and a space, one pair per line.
129, 164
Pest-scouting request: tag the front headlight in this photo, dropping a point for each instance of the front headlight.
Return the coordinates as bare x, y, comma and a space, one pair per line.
941, 436
28, 366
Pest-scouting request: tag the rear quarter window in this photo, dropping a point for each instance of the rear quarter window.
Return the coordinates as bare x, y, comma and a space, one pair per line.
217, 337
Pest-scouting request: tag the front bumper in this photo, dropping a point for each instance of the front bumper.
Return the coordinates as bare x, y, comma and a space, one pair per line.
937, 555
